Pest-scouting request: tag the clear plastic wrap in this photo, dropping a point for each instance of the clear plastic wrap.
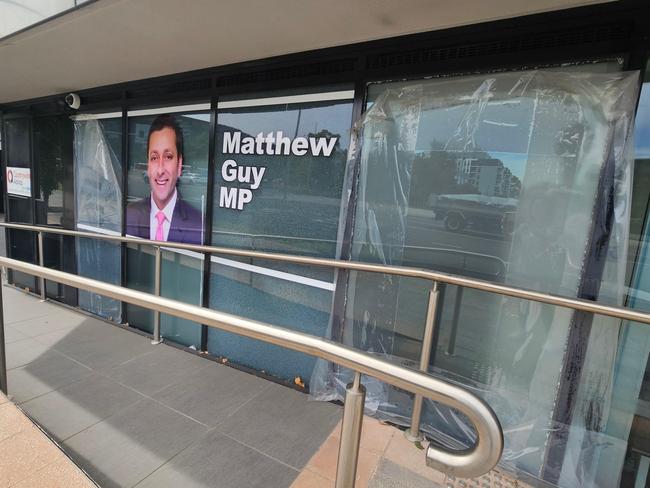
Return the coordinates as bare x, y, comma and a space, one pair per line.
520, 178
98, 176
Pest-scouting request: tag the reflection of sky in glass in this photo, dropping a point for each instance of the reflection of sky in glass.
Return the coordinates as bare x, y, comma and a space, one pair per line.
515, 162
312, 120
504, 126
642, 129
202, 117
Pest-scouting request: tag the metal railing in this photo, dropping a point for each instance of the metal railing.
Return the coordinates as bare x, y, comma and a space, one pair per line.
455, 463
476, 460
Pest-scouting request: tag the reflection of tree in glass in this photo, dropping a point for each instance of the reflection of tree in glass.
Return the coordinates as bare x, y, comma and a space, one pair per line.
441, 172
49, 155
317, 175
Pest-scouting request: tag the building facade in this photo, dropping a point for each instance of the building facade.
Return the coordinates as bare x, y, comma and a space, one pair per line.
513, 150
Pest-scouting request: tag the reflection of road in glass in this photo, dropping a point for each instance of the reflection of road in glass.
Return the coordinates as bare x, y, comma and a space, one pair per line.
480, 254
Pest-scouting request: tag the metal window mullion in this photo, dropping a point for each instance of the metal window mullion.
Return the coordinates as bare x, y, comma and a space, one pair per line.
125, 190
342, 276
209, 211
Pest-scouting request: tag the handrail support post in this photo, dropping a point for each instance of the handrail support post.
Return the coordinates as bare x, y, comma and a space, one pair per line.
346, 468
156, 285
466, 463
413, 433
451, 347
41, 262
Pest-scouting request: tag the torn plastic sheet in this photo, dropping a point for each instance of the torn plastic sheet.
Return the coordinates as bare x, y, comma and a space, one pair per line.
98, 209
520, 178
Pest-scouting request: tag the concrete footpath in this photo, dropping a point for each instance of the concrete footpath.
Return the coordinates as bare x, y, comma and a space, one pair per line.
29, 459
131, 413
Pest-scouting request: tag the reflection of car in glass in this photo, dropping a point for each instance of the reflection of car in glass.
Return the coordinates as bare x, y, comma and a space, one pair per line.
194, 175
479, 212
188, 176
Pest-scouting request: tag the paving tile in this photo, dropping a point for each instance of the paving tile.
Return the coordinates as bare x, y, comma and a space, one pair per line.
12, 421
102, 347
60, 474
406, 454
324, 462
309, 479
125, 448
19, 306
46, 373
220, 462
375, 435
24, 453
70, 336
13, 335
368, 462
212, 393
157, 369
75, 407
58, 319
325, 459
23, 352
391, 475
282, 423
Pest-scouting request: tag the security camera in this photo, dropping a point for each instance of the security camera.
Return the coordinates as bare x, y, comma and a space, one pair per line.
72, 100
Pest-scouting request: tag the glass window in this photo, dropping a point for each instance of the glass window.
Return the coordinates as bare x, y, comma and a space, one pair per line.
22, 244
493, 177
279, 171
53, 161
98, 189
615, 418
167, 172
54, 200
17, 146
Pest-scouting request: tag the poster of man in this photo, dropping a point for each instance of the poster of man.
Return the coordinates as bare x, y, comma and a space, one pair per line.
164, 215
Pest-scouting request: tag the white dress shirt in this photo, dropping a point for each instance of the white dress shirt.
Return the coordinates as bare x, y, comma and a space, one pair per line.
153, 221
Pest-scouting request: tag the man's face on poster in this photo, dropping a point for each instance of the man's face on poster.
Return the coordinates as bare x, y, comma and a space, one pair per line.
164, 165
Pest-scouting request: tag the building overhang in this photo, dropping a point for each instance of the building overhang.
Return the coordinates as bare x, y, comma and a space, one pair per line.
114, 41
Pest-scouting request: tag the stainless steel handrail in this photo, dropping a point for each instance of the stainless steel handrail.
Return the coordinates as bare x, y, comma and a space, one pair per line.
470, 462
511, 291
434, 277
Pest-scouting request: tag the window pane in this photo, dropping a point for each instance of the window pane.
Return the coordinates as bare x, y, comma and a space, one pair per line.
153, 176
52, 138
493, 177
98, 188
17, 146
273, 194
621, 428
21, 243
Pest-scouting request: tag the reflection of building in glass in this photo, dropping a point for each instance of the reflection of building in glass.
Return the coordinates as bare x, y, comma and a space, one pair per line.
488, 175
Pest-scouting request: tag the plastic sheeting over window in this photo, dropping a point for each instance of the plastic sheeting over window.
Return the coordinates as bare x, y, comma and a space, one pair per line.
98, 176
519, 178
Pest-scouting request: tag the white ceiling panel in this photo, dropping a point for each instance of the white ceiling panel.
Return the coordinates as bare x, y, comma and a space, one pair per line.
111, 41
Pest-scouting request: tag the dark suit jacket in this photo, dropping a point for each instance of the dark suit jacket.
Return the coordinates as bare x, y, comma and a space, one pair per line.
186, 224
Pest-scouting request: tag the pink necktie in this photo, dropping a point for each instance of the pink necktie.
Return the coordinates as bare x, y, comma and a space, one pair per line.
160, 217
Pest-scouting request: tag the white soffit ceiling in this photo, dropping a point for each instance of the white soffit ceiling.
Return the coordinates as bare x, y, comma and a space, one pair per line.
112, 41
